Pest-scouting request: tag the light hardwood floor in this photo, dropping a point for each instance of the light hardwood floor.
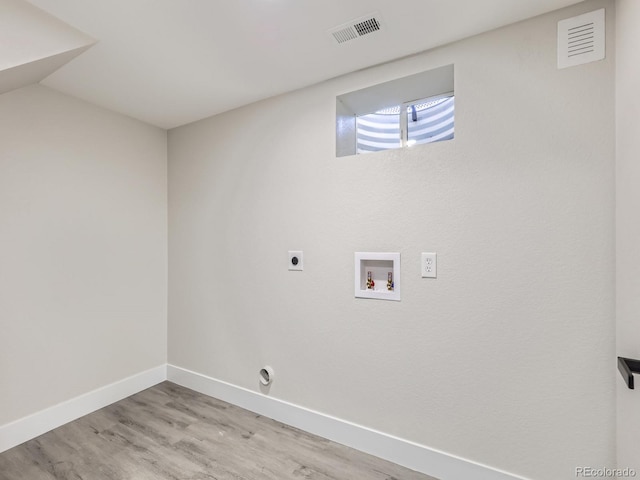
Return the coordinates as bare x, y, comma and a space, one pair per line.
171, 432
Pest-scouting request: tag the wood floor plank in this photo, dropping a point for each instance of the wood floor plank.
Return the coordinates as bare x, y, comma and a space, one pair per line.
169, 432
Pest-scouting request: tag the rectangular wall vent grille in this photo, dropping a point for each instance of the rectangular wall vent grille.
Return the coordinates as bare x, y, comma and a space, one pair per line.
345, 35
581, 39
356, 28
368, 26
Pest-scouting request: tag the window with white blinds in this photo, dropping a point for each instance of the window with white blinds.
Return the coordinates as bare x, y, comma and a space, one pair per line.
404, 112
413, 123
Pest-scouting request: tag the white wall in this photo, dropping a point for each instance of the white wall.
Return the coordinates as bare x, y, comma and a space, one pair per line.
83, 249
627, 224
505, 358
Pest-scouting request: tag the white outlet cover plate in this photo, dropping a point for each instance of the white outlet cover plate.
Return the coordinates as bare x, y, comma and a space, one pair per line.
298, 255
428, 265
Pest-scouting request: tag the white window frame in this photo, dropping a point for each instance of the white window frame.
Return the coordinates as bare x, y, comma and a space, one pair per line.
424, 85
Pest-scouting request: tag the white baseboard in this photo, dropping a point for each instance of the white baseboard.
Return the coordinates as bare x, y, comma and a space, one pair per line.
397, 450
19, 431
403, 452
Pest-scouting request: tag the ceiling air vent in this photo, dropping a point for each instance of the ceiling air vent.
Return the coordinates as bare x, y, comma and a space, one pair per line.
581, 39
356, 28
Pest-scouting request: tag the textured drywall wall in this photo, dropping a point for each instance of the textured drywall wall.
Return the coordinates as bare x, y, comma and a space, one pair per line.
505, 358
83, 249
627, 224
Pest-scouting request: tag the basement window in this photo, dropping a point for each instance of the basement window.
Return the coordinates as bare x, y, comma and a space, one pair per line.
423, 121
383, 117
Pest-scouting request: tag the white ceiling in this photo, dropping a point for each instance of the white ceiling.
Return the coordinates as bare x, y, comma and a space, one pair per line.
171, 62
33, 44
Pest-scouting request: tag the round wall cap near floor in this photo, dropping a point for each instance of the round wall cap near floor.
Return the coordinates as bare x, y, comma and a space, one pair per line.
266, 375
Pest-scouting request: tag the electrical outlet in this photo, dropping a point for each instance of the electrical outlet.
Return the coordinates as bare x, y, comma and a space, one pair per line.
295, 260
429, 265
